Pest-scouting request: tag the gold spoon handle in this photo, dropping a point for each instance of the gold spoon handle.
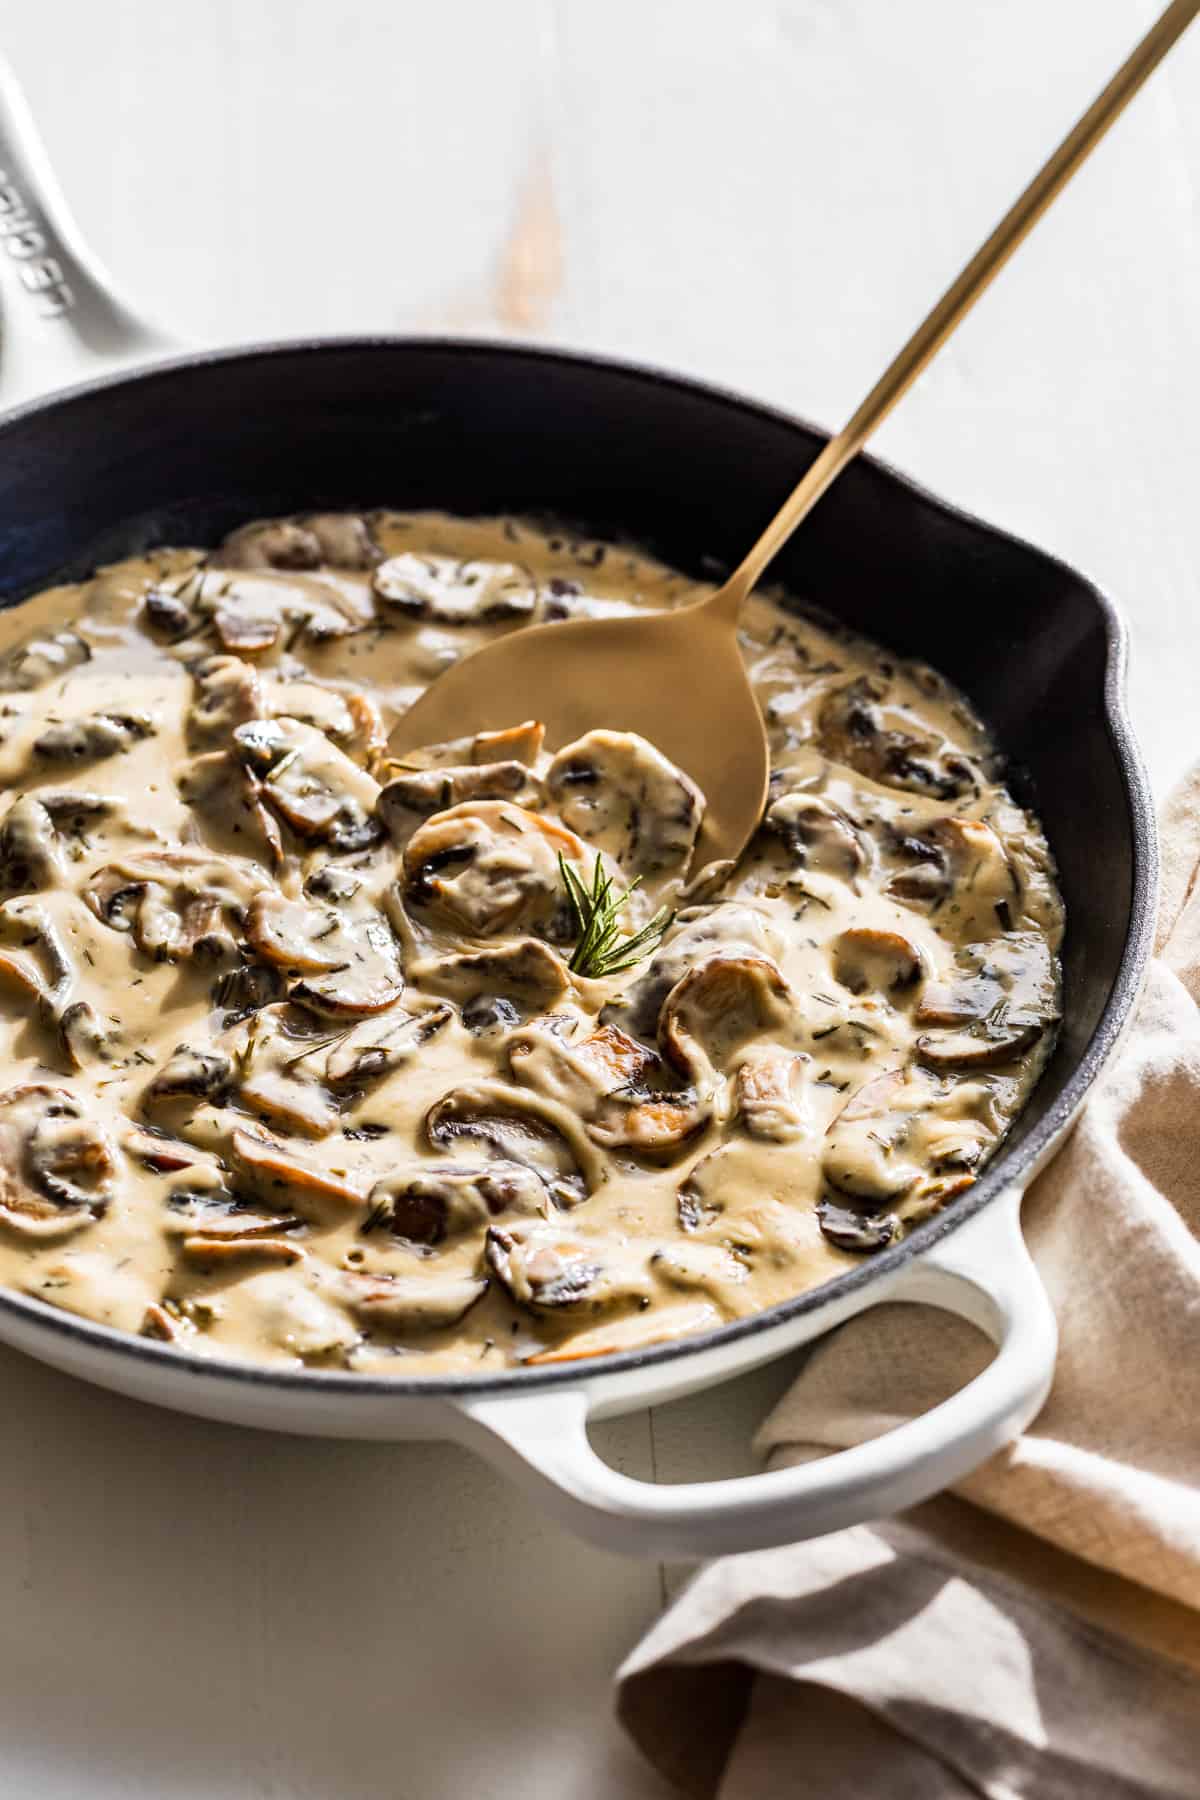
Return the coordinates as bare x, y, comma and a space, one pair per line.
959, 298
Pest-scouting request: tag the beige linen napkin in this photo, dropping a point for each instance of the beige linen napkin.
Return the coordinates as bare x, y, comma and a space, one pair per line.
1035, 1635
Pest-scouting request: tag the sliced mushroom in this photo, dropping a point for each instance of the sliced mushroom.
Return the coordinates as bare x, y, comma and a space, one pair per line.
271, 544
545, 1267
617, 791
42, 833
279, 1071
652, 1123
488, 867
528, 973
719, 1006
294, 935
513, 1125
579, 1076
962, 869
92, 738
455, 593
906, 1142
851, 1228
366, 978
730, 927
854, 729
986, 1049
411, 1303
245, 990
283, 1180
166, 1327
514, 743
769, 1095
34, 958
867, 960
220, 1252
428, 1205
816, 834
346, 540
164, 1155
314, 787
57, 1167
32, 664
189, 1075
177, 903
409, 798
228, 694
228, 800
372, 1050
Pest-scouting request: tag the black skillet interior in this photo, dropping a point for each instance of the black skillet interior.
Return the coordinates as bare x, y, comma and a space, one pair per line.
182, 453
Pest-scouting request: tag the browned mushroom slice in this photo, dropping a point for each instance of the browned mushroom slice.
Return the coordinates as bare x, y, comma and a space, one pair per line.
988, 1048
83, 1036
850, 1227
730, 927
853, 728
293, 935
245, 631
57, 1167
615, 789
719, 1006
279, 1071
161, 1154
366, 980
528, 973
39, 660
283, 1179
372, 1050
189, 1075
409, 798
580, 1076
227, 800
428, 1205
816, 834
544, 1267
520, 743
271, 544
315, 788
166, 1327
178, 903
869, 1150
416, 1303
34, 958
489, 866
455, 593
868, 960
605, 1081
769, 1094
245, 990
93, 738
41, 833
516, 1126
661, 1325
653, 1124
345, 540
962, 860
369, 735
228, 694
220, 1252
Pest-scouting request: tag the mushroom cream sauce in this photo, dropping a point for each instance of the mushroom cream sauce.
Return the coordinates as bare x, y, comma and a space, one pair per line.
294, 1067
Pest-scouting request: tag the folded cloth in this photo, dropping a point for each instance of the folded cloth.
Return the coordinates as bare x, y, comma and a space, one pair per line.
1035, 1635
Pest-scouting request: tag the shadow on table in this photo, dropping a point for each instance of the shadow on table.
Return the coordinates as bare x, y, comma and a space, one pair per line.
191, 1610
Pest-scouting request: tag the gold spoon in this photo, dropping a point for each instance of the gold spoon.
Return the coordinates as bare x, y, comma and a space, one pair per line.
678, 677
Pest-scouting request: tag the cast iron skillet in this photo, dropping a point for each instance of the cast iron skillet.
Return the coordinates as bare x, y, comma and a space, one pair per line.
185, 450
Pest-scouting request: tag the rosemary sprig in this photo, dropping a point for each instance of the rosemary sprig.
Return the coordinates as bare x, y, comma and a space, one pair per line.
600, 950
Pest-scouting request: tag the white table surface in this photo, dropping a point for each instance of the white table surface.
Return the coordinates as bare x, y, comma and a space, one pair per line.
767, 194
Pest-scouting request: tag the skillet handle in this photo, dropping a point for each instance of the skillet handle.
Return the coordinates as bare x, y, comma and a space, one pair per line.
982, 1272
63, 319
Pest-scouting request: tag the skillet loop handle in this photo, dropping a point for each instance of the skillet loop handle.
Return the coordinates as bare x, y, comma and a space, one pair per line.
62, 317
982, 1272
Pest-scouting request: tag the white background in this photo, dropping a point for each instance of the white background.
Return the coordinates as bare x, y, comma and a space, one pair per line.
767, 194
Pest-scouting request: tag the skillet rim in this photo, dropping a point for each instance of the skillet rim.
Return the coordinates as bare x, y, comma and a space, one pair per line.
1011, 1168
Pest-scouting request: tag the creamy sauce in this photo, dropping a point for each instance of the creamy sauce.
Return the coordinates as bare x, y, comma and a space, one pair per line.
294, 1064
